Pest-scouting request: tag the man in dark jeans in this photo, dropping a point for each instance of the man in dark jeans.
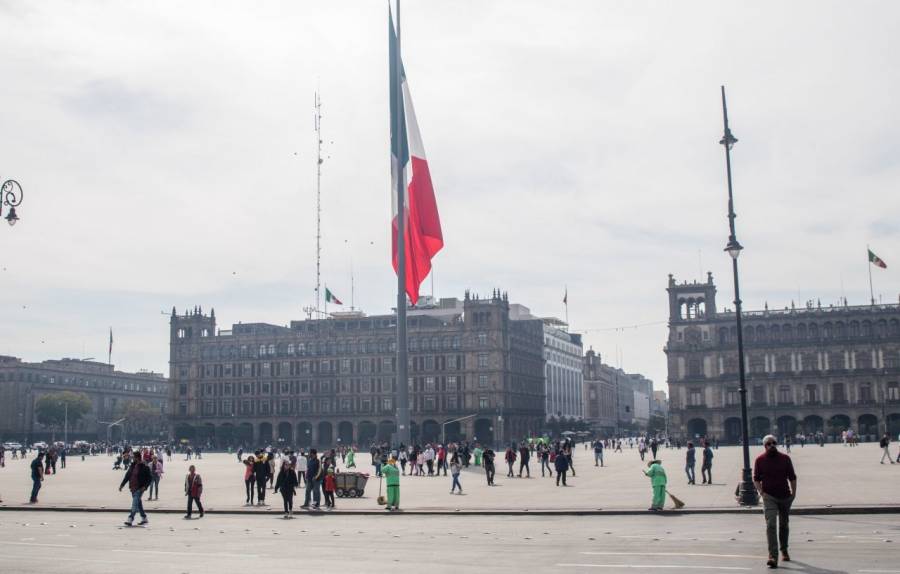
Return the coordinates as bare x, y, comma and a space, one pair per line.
138, 479
773, 475
313, 480
37, 476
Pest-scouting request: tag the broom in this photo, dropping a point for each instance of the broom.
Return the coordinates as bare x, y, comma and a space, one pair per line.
381, 499
675, 500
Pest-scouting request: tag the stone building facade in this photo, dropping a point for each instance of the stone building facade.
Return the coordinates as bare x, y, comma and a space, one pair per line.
109, 390
332, 381
616, 403
810, 369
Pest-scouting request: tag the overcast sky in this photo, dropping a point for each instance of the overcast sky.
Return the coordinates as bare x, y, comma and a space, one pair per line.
167, 153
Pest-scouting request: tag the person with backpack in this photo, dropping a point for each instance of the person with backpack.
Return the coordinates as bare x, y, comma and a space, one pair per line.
138, 479
561, 463
885, 444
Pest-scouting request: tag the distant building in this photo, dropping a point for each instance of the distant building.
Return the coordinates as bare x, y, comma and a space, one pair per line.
333, 381
22, 384
660, 404
563, 369
615, 401
810, 369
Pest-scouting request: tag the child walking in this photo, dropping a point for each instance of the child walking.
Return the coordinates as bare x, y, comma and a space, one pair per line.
328, 487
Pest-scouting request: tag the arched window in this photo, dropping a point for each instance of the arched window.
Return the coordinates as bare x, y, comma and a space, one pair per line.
854, 328
840, 330
867, 329
787, 332
801, 332
813, 331
271, 350
262, 350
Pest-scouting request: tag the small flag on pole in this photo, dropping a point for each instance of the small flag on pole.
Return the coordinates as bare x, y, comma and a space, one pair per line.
566, 297
876, 260
110, 345
330, 298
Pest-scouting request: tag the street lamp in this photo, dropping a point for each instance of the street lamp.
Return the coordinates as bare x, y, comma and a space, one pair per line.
10, 195
748, 494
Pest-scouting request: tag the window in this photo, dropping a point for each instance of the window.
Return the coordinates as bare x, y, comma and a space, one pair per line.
262, 350
366, 405
759, 394
429, 404
837, 393
324, 406
482, 381
482, 360
784, 395
345, 405
482, 339
696, 397
893, 392
305, 405
386, 404
812, 394
429, 384
484, 403
865, 392
182, 390
452, 403
451, 383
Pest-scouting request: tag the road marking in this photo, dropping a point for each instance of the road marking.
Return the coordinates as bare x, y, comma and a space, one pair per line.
661, 566
695, 554
39, 544
189, 553
880, 571
58, 559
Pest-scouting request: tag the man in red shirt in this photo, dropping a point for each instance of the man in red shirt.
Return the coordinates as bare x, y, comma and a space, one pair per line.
773, 475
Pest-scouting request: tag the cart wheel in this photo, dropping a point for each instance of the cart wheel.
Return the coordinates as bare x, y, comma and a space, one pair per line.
341, 493
354, 493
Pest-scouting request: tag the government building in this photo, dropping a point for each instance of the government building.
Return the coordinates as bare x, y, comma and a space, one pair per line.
811, 369
327, 382
110, 392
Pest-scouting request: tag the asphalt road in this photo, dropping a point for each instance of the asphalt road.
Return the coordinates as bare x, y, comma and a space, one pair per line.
97, 543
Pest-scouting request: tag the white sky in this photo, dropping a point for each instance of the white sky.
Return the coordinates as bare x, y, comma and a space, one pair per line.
168, 157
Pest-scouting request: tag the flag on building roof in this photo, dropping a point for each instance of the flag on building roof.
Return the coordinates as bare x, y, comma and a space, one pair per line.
423, 235
876, 260
330, 298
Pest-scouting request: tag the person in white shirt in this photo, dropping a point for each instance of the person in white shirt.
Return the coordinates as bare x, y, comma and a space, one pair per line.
301, 467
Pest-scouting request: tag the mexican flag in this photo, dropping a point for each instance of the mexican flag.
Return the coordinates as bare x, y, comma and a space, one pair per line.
422, 229
330, 298
876, 260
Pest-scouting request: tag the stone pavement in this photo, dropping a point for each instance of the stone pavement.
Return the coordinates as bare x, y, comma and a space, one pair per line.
74, 543
833, 475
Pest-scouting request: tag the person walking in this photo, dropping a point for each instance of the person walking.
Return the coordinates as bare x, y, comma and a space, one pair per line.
156, 472
392, 482
544, 454
510, 458
598, 452
313, 481
706, 465
562, 467
261, 474
524, 457
286, 484
249, 480
885, 444
487, 458
351, 458
138, 479
455, 469
193, 488
658, 481
690, 460
774, 478
37, 476
302, 462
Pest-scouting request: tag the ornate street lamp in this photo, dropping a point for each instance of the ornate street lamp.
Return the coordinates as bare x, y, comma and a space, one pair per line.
748, 494
10, 195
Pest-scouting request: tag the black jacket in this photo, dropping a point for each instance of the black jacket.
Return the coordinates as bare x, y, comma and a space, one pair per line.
286, 481
144, 477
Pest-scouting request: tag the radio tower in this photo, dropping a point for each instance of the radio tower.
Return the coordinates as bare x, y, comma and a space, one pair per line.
318, 203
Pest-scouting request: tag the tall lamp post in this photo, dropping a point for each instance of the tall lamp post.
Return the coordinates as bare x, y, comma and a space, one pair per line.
10, 195
748, 494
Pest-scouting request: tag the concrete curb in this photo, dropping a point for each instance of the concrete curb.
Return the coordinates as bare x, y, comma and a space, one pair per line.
271, 511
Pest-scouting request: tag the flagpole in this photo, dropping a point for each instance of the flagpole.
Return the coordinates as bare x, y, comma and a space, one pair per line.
869, 264
403, 430
566, 301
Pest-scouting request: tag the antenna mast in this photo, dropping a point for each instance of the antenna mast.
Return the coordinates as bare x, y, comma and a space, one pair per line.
318, 203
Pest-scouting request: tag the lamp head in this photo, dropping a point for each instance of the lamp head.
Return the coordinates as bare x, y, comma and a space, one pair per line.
733, 248
12, 218
728, 140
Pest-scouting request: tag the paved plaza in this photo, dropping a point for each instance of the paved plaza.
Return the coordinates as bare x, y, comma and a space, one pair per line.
97, 543
833, 475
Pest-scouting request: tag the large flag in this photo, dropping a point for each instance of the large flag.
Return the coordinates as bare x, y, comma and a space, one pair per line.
330, 298
876, 260
423, 236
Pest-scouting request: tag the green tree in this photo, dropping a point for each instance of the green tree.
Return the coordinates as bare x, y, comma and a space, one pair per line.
656, 424
140, 416
50, 410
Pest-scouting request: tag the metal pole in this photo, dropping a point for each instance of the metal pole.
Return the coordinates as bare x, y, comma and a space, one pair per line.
748, 494
869, 265
66, 427
403, 430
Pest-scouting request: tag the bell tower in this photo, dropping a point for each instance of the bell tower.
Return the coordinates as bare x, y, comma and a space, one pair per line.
691, 301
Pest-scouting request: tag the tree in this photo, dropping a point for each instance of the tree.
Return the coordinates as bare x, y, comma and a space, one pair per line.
140, 416
50, 410
656, 425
